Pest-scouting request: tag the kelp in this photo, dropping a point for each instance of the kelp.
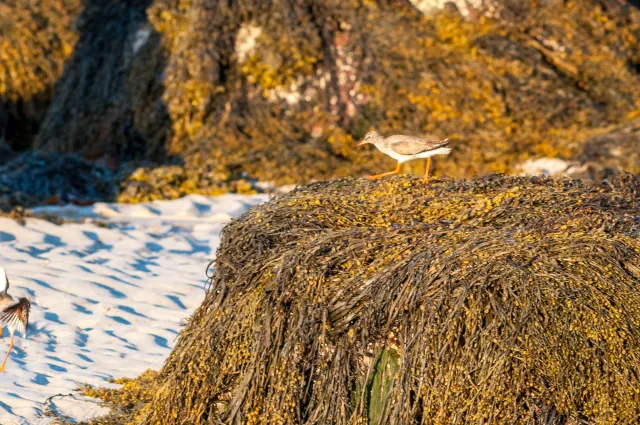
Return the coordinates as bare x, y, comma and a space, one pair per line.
124, 400
32, 179
490, 301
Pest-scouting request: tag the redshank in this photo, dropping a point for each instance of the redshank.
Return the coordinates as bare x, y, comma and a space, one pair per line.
406, 148
14, 315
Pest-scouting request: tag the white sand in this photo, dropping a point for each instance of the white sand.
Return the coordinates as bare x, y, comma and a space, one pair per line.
106, 302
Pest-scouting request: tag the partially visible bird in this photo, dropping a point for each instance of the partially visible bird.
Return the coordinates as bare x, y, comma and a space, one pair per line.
14, 315
406, 148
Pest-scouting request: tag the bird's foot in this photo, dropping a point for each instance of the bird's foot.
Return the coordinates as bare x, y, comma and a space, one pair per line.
2, 369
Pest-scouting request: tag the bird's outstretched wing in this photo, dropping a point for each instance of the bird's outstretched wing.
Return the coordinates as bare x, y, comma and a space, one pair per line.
409, 145
16, 315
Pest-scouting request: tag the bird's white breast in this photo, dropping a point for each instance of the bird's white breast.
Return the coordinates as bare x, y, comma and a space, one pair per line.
3, 279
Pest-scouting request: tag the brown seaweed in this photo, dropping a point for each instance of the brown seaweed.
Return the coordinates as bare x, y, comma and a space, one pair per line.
491, 301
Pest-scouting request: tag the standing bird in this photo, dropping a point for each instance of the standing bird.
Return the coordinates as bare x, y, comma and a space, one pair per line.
406, 148
13, 315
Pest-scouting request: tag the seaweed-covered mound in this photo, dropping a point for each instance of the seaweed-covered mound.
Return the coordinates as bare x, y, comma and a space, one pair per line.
491, 301
35, 40
31, 179
148, 183
280, 91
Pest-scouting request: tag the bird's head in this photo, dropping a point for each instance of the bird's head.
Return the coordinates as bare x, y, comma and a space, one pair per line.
370, 137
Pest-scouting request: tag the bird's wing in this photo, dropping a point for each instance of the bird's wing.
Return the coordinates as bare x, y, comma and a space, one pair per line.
16, 315
409, 145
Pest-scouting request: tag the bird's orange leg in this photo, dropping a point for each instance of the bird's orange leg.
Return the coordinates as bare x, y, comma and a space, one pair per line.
378, 176
426, 174
7, 356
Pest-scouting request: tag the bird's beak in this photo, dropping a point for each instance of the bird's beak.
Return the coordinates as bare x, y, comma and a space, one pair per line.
364, 142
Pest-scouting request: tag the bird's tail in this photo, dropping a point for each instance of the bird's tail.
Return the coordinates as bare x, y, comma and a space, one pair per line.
444, 143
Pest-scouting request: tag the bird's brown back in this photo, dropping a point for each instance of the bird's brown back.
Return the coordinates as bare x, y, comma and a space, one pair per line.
410, 145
